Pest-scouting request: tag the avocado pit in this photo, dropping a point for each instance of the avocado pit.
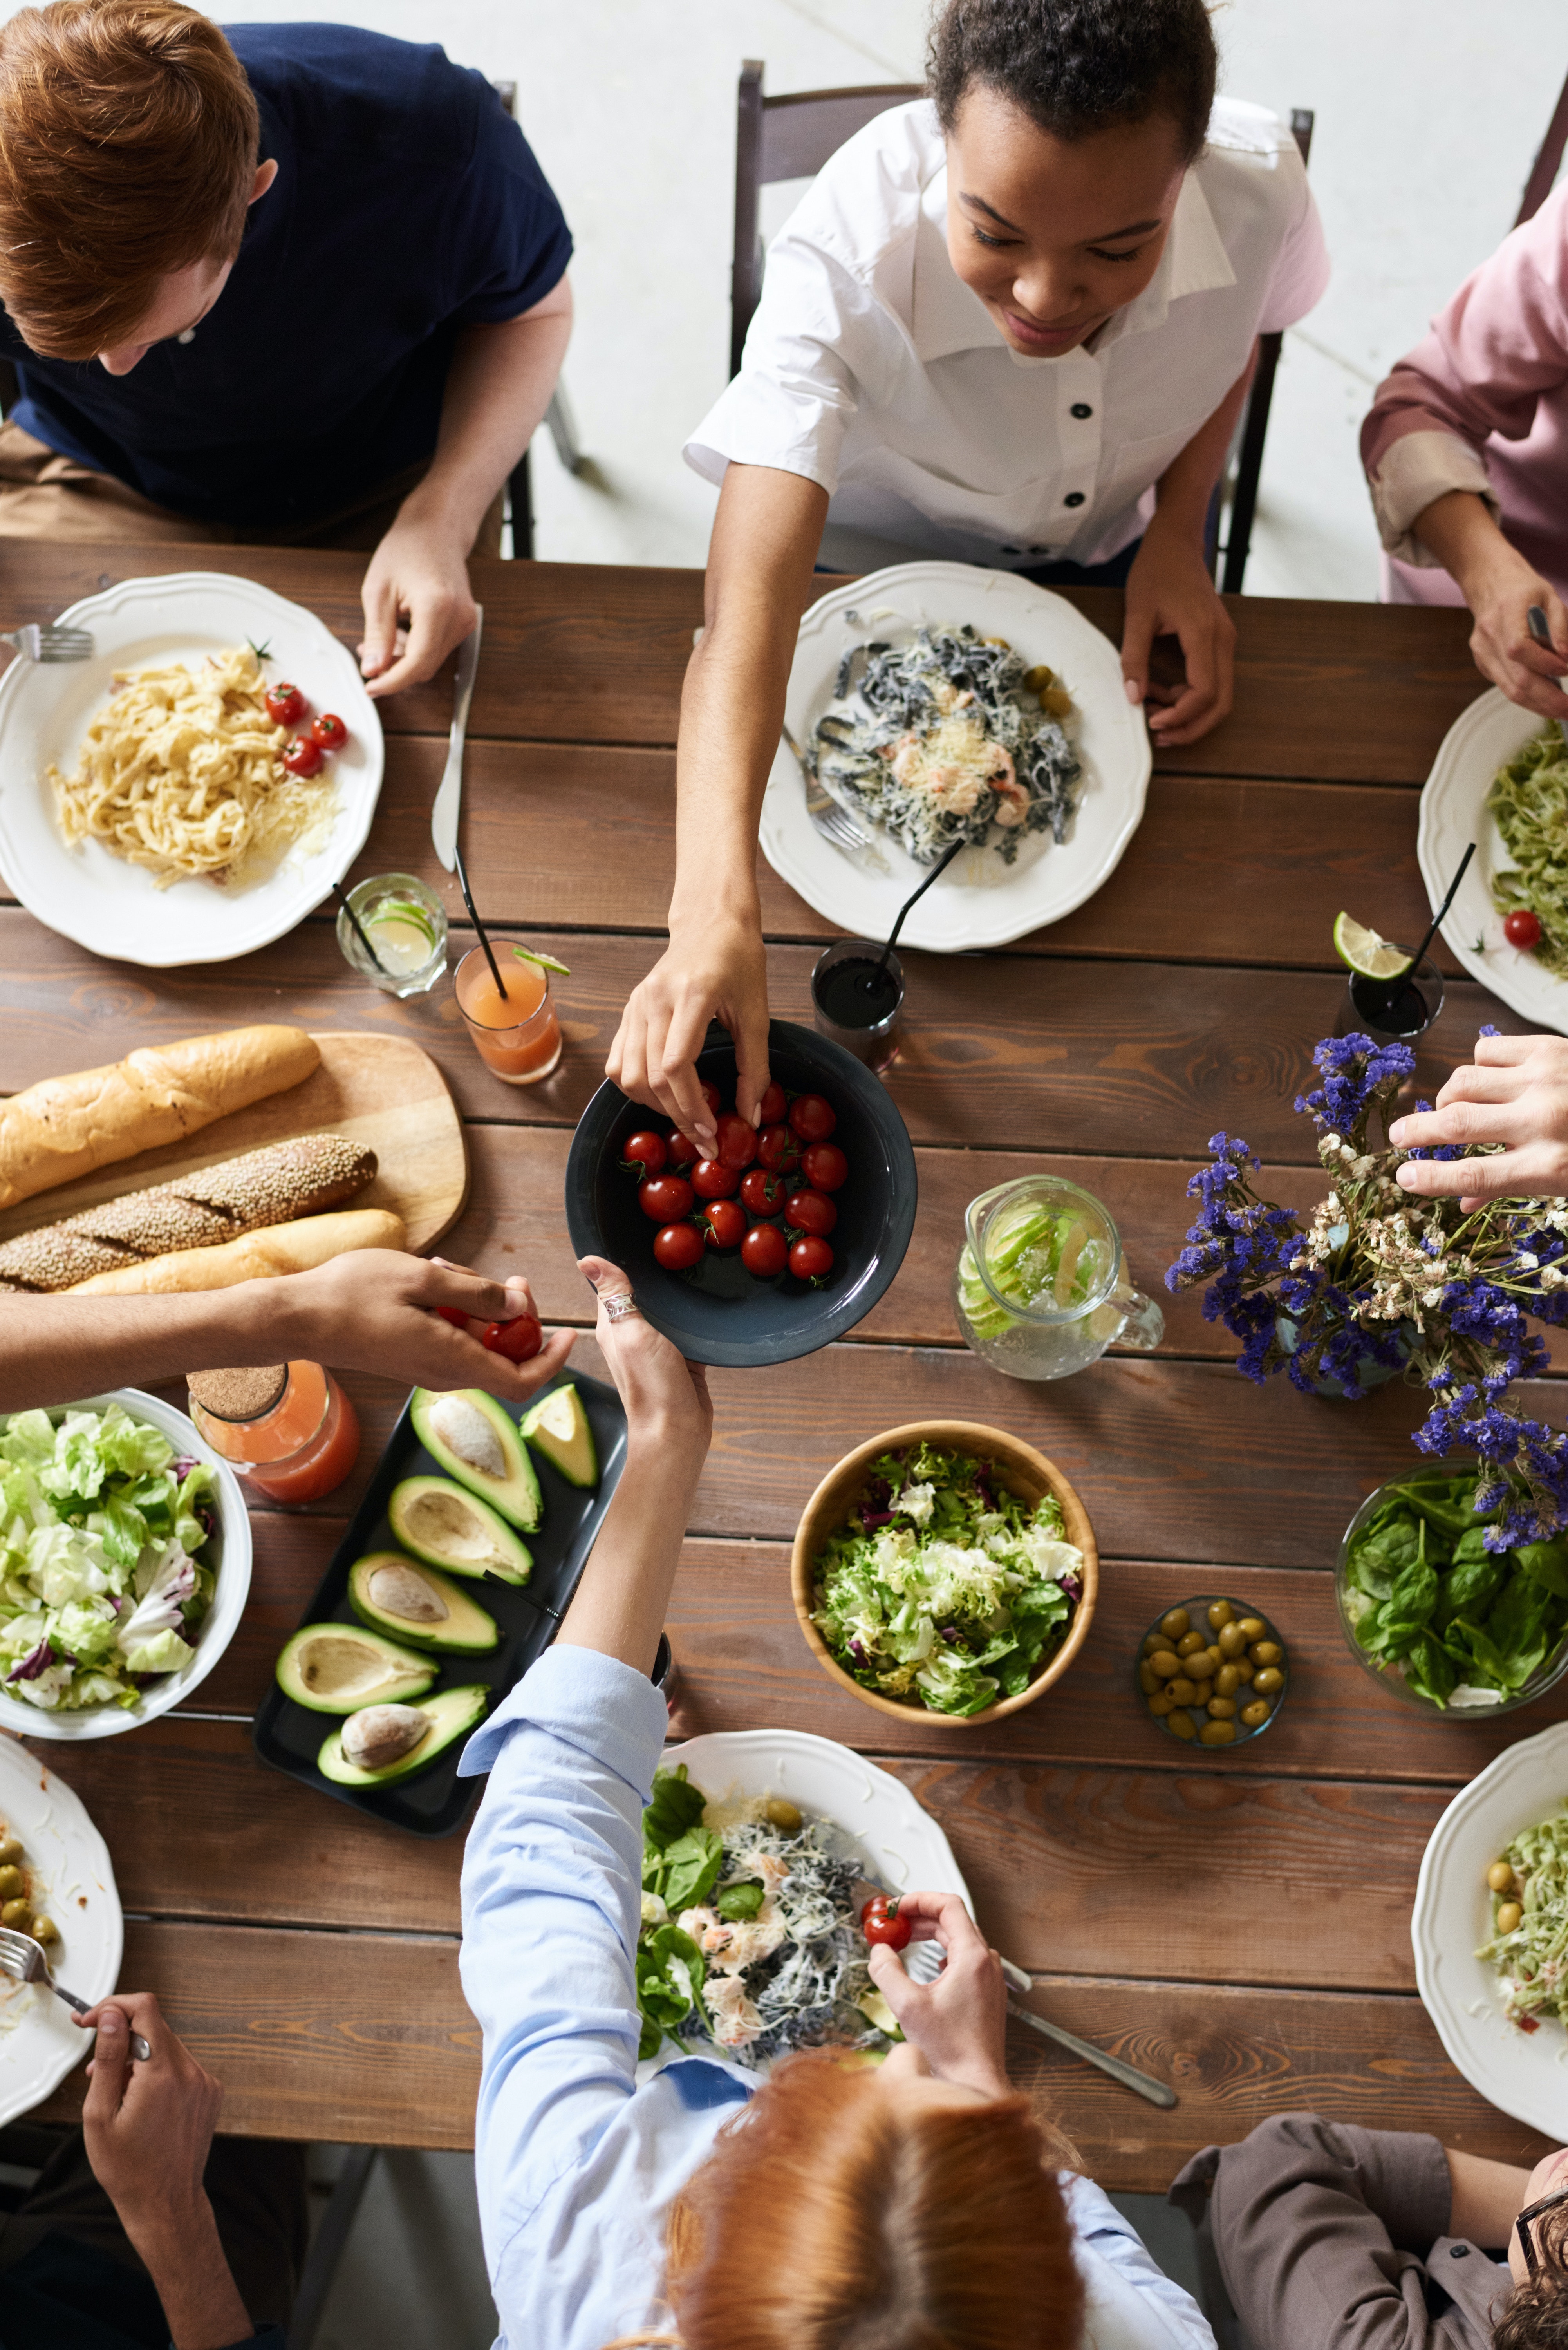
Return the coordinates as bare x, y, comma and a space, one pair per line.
400, 1591
382, 1734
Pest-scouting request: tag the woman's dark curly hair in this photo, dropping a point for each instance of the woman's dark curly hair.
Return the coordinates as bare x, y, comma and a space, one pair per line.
1076, 67
1536, 2316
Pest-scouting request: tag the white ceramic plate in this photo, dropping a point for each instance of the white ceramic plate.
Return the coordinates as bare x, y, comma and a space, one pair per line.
1523, 2073
38, 2042
1453, 814
979, 901
114, 908
231, 1550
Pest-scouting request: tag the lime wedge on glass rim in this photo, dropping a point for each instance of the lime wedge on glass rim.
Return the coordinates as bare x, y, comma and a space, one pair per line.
544, 962
1364, 951
402, 910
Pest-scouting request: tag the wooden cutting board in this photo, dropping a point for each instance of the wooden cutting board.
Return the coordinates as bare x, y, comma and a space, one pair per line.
378, 1090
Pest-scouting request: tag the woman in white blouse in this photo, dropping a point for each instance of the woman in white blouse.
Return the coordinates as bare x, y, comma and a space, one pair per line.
1011, 325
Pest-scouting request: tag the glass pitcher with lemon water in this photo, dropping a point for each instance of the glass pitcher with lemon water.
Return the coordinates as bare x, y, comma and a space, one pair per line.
1040, 1287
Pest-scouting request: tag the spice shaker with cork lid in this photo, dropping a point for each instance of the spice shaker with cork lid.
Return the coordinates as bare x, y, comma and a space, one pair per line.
287, 1428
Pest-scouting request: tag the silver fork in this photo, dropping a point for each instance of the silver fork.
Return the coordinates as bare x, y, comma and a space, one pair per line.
22, 1960
47, 641
835, 823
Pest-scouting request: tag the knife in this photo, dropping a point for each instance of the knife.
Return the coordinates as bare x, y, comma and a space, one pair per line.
449, 799
1542, 633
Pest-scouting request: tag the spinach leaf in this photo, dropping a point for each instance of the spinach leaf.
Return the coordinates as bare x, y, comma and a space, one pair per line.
1546, 1563
1429, 1669
669, 1976
691, 1867
736, 1902
675, 1806
1390, 1543
1470, 1585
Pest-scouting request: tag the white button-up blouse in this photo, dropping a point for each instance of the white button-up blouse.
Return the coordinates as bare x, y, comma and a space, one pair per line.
871, 368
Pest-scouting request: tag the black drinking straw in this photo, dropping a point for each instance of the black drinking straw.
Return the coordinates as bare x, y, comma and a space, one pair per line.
938, 869
479, 926
358, 926
1390, 986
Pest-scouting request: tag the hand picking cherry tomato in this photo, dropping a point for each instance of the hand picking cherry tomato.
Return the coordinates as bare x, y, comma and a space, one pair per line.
778, 1150
726, 1222
644, 1154
880, 1922
519, 1340
811, 1211
1522, 927
737, 1139
454, 1314
811, 1259
303, 756
329, 731
681, 1151
665, 1198
811, 1118
772, 1106
763, 1195
711, 1179
286, 705
825, 1167
678, 1247
764, 1251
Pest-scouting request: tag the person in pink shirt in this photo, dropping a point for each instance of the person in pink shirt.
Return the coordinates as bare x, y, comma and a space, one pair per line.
1466, 450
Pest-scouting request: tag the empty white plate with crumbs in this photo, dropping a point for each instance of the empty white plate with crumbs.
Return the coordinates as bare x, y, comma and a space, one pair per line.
73, 1883
114, 908
980, 902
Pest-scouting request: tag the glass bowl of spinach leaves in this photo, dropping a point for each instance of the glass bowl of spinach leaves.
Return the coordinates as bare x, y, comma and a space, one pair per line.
1441, 1621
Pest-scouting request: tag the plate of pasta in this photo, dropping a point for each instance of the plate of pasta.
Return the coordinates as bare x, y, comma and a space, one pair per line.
168, 801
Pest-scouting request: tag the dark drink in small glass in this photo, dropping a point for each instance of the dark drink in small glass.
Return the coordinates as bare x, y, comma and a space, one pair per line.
857, 999
1403, 1007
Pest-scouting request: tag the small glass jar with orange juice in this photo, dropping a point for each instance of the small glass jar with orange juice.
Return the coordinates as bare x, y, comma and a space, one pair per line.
287, 1427
518, 1036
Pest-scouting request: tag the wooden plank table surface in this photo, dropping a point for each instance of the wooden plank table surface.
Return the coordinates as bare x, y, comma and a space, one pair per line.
1240, 1927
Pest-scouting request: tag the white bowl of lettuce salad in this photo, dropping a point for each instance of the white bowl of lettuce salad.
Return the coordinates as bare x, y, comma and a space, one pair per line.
945, 1567
125, 1561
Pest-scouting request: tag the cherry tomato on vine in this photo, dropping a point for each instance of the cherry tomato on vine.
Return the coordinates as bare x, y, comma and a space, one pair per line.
711, 1179
811, 1259
329, 731
825, 1166
778, 1150
772, 1106
1522, 927
811, 1118
644, 1154
764, 1251
811, 1211
880, 1922
681, 1151
665, 1199
737, 1139
763, 1195
726, 1222
286, 705
519, 1340
303, 756
678, 1247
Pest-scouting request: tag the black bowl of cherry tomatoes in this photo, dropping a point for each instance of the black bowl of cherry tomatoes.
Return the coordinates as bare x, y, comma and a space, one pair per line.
780, 1243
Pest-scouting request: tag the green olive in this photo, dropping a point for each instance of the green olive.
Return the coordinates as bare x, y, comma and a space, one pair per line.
1166, 1663
1232, 1640
1227, 1682
1181, 1723
1190, 1644
1202, 1691
1269, 1681
1161, 1705
1174, 1624
1247, 1669
1147, 1678
1266, 1652
1500, 1877
1218, 1733
1256, 1713
1155, 1641
1216, 1657
1221, 1613
1182, 1690
780, 1814
1223, 1709
45, 1931
1508, 1914
17, 1914
10, 1850
1253, 1629
12, 1882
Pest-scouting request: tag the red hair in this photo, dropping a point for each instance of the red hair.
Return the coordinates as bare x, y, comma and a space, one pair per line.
833, 2216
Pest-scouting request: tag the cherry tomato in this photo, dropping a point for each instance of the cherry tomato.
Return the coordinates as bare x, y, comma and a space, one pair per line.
644, 1154
778, 1150
811, 1118
1522, 927
737, 1139
454, 1314
328, 731
681, 1151
665, 1199
726, 1222
519, 1340
303, 756
810, 1211
824, 1166
772, 1106
678, 1247
880, 1922
711, 1179
764, 1251
811, 1259
286, 705
763, 1193
712, 1095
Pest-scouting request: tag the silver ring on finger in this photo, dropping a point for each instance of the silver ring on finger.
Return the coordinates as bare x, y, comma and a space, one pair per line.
618, 1307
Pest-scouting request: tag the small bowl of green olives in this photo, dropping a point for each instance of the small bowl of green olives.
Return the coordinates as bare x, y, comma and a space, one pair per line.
1212, 1672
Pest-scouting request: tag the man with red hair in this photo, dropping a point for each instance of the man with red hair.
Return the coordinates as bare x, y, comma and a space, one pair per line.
301, 285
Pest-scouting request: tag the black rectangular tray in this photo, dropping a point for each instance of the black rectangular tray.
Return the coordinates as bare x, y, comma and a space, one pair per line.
289, 1736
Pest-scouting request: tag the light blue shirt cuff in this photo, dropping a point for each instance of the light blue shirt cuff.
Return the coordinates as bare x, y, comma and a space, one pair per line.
592, 1701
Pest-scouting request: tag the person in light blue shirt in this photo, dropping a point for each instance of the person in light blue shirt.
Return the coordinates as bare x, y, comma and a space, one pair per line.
918, 2206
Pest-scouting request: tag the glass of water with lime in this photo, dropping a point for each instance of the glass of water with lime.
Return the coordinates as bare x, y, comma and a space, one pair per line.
1041, 1288
403, 949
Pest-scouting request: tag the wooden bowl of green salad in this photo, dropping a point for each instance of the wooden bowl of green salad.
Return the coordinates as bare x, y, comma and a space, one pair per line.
945, 1568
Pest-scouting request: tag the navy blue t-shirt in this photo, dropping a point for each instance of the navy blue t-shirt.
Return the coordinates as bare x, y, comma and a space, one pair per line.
407, 205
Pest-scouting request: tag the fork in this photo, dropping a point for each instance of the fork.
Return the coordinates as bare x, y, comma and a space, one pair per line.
48, 642
22, 1960
835, 823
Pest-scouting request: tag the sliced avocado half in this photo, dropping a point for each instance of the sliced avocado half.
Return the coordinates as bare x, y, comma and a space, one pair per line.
451, 1713
477, 1442
558, 1425
337, 1667
449, 1527
418, 1605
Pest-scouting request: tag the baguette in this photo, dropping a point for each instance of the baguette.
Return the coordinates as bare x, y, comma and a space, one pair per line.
65, 1126
258, 1256
301, 1177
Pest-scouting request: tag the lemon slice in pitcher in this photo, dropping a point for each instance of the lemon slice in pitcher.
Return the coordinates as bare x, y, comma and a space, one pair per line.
1364, 951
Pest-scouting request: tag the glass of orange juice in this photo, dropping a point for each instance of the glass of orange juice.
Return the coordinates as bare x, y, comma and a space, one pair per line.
518, 1036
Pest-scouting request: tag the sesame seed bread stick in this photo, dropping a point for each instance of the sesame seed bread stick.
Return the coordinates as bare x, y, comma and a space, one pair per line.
259, 1257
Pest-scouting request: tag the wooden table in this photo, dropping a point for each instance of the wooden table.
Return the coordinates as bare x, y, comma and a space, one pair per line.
1240, 1927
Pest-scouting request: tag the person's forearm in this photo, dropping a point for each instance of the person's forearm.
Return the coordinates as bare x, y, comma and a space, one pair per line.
55, 1349
498, 388
623, 1596
1485, 2197
190, 2274
1459, 529
1184, 489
